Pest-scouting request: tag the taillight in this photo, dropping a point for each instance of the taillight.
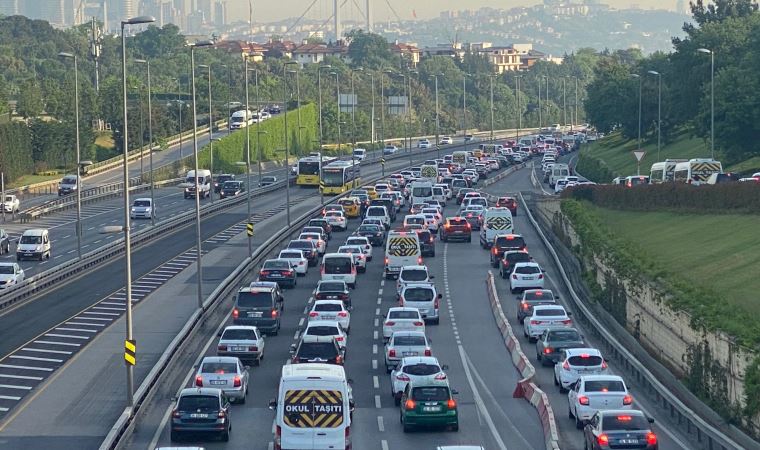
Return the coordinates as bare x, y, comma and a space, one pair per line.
428, 352
222, 348
264, 273
409, 405
235, 313
419, 260
604, 364
339, 338
390, 324
525, 306
540, 276
548, 350
514, 276
175, 414
344, 296
403, 377
313, 314
338, 359
451, 404
386, 261
651, 438
199, 381
253, 348
392, 353
221, 414
418, 323
566, 365
440, 376
274, 314
603, 439
437, 303
342, 314
568, 322
236, 382
583, 400
495, 250
627, 400
535, 322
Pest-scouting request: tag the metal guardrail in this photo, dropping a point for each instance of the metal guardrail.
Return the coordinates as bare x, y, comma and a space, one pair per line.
696, 427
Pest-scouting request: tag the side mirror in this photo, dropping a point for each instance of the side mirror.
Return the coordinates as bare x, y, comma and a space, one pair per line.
219, 333
351, 405
431, 276
556, 297
650, 419
440, 296
454, 392
350, 381
273, 404
569, 314
518, 297
444, 367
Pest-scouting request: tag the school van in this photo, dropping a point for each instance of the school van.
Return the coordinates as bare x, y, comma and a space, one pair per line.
439, 194
496, 221
314, 407
429, 172
558, 171
421, 191
33, 244
696, 171
662, 172
204, 184
401, 249
339, 267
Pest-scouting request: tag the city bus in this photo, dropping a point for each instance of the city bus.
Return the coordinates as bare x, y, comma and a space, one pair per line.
308, 170
339, 177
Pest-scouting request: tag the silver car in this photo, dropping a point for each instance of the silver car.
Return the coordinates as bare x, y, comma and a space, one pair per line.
142, 208
402, 319
424, 297
403, 344
414, 368
226, 373
241, 341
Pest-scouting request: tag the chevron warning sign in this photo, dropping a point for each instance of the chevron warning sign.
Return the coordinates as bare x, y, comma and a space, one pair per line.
499, 223
249, 229
313, 408
402, 246
130, 350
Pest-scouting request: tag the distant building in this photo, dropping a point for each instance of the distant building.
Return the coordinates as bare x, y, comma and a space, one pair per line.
408, 52
504, 59
316, 53
221, 19
452, 50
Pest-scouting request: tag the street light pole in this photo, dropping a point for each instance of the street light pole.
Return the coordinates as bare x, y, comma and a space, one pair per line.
78, 157
354, 103
464, 109
337, 95
229, 96
540, 119
248, 157
712, 99
372, 136
127, 240
490, 77
638, 140
437, 122
258, 126
150, 144
409, 113
287, 148
517, 105
321, 129
576, 101
179, 106
564, 103
210, 128
659, 108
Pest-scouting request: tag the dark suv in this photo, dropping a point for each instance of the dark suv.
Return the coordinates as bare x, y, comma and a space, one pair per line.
317, 349
427, 242
509, 259
504, 243
220, 179
201, 411
260, 306
321, 223
456, 228
333, 290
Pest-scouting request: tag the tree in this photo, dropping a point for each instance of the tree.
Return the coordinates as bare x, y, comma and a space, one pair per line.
29, 99
367, 50
719, 10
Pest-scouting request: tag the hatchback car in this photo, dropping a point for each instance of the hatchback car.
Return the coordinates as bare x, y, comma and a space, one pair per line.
232, 189
268, 181
456, 228
375, 234
412, 275
296, 260
317, 349
226, 373
576, 362
317, 238
331, 310
319, 222
337, 220
526, 276
333, 290
620, 430
280, 271
429, 403
201, 411
509, 259
362, 242
327, 328
592, 393
505, 243
424, 297
417, 368
403, 344
553, 340
402, 319
309, 248
360, 260
243, 342
259, 305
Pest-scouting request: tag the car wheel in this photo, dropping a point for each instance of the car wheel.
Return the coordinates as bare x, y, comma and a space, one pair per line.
562, 390
242, 400
396, 400
407, 428
226, 436
538, 356
556, 383
578, 422
432, 255
570, 413
502, 273
436, 321
388, 369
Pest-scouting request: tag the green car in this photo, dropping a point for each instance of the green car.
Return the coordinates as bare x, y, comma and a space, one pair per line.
429, 403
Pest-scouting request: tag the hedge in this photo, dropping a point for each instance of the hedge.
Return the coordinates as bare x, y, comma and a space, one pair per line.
741, 198
15, 150
593, 168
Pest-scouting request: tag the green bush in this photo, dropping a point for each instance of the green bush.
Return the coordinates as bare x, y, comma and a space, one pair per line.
15, 156
593, 168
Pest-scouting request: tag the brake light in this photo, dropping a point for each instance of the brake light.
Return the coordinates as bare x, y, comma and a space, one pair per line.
604, 364
409, 405
417, 323
175, 414
440, 376
525, 306
548, 350
468, 226
651, 438
235, 313
540, 276
428, 352
313, 314
386, 261
566, 365
402, 377
344, 296
419, 260
624, 418
338, 359
451, 404
437, 303
221, 414
253, 348
495, 250
584, 355
627, 400
603, 439
567, 322
392, 353
390, 324
274, 314
535, 322
514, 276
199, 381
264, 273
236, 382
583, 400
339, 338
222, 348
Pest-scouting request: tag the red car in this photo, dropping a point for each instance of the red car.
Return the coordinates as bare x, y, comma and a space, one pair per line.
508, 202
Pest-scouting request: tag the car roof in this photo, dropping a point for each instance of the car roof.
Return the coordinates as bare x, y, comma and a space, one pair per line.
200, 391
602, 378
322, 323
328, 302
414, 267
263, 285
554, 306
422, 382
409, 360
526, 264
220, 359
582, 351
239, 327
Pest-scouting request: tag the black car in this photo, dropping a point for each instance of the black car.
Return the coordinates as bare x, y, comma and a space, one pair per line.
220, 179
427, 242
267, 181
620, 429
232, 188
308, 248
5, 242
509, 259
552, 340
504, 243
317, 349
279, 271
333, 290
260, 305
201, 411
321, 223
375, 234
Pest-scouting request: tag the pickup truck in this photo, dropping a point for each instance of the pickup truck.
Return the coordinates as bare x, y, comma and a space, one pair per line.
11, 204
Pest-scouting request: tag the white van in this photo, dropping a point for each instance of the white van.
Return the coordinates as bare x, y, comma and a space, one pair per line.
401, 249
339, 267
558, 171
421, 191
240, 119
439, 194
314, 407
204, 183
33, 244
418, 219
496, 221
359, 154
662, 172
379, 212
696, 171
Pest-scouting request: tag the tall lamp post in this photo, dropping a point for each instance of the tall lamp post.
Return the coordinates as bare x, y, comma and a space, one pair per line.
517, 105
127, 240
712, 98
248, 158
150, 144
638, 140
464, 109
285, 73
490, 77
540, 118
198, 249
382, 106
321, 128
337, 96
659, 108
210, 128
229, 95
409, 112
79, 162
437, 121
354, 103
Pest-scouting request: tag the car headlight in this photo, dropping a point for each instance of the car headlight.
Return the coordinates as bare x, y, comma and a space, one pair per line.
187, 189
38, 248
133, 209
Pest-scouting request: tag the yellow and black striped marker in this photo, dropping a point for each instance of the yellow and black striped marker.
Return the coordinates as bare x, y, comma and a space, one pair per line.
498, 223
403, 246
313, 408
130, 350
249, 229
382, 160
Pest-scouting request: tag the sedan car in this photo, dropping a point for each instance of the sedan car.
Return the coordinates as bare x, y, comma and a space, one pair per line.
553, 340
414, 368
279, 271
331, 310
201, 411
296, 260
390, 149
375, 234
320, 222
405, 343
333, 290
268, 181
142, 208
592, 393
11, 274
337, 220
446, 140
362, 242
243, 342
508, 260
543, 317
317, 238
620, 429
402, 319
423, 143
226, 373
526, 275
575, 362
327, 328
308, 247
360, 261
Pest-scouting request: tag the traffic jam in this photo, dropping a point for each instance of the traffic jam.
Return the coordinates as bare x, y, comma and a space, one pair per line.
396, 224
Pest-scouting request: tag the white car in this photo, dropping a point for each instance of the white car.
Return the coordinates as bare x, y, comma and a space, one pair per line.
526, 275
446, 189
405, 343
142, 208
296, 259
592, 393
543, 317
436, 212
412, 274
415, 368
337, 220
381, 213
446, 140
402, 319
226, 373
360, 261
575, 362
241, 341
423, 143
362, 242
331, 310
474, 177
316, 238
11, 274
327, 328
431, 222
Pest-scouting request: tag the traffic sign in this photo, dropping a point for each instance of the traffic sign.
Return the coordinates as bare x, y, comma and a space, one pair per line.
639, 155
130, 350
249, 228
382, 160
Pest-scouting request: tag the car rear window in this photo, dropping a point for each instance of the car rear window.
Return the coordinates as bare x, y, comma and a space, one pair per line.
527, 270
338, 265
604, 386
218, 367
409, 340
550, 312
564, 335
323, 330
331, 287
414, 275
291, 255
322, 350
302, 244
421, 369
198, 403
328, 307
254, 300
404, 315
623, 422
418, 295
430, 394
419, 220
458, 222
505, 242
356, 242
539, 295
239, 334
276, 265
585, 361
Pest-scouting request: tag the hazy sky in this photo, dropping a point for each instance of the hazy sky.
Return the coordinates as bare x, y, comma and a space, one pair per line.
268, 10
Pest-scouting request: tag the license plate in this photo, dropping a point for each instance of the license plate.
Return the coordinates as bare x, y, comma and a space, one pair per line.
255, 314
275, 275
198, 416
629, 441
238, 348
217, 382
409, 353
328, 317
27, 254
431, 408
528, 278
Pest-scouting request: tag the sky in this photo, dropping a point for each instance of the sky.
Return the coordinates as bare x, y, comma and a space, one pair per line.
268, 10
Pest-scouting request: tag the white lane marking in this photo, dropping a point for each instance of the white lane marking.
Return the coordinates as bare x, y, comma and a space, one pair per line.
377, 402
379, 300
34, 358
270, 446
70, 344
12, 366
13, 386
382, 282
20, 377
300, 322
101, 313
377, 321
95, 318
374, 335
375, 382
374, 364
9, 397
380, 424
295, 336
380, 292
377, 311
374, 349
83, 330
69, 336
41, 350
86, 324
384, 445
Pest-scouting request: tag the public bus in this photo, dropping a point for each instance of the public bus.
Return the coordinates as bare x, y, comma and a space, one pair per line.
339, 177
308, 170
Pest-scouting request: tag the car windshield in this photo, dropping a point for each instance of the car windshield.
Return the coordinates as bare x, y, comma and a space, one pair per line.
239, 334
276, 264
338, 265
254, 300
624, 422
404, 315
549, 312
421, 369
6, 270
585, 360
331, 287
564, 335
376, 212
223, 178
323, 330
419, 220
604, 386
527, 270
269, 179
418, 295
141, 203
30, 239
322, 350
409, 340
219, 367
327, 307
198, 403
430, 394
231, 185
414, 275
